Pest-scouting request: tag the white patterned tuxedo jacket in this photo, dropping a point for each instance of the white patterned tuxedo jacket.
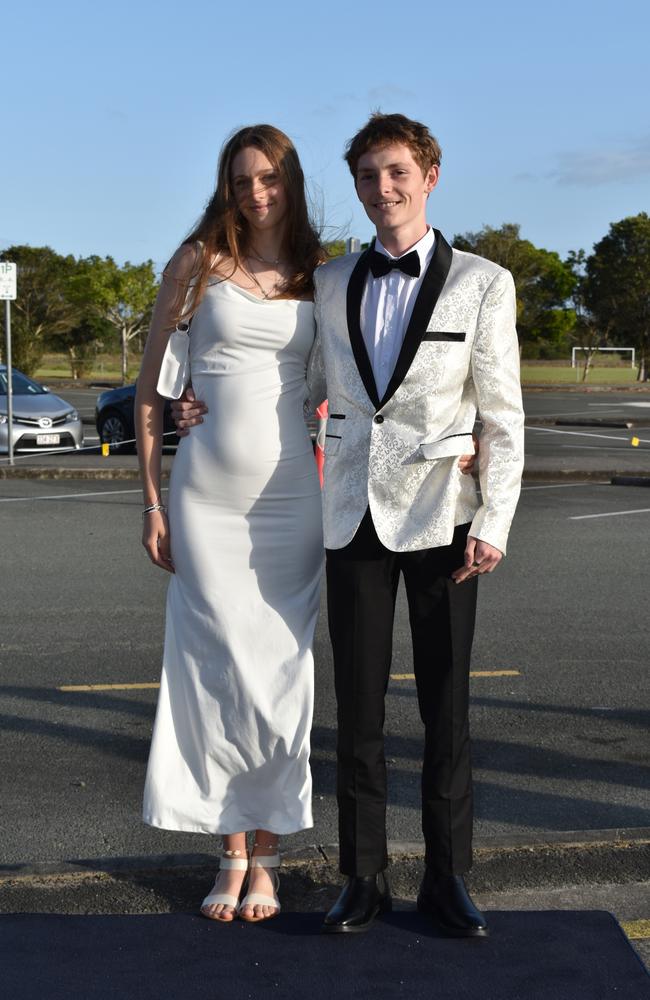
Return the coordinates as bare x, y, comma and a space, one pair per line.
400, 454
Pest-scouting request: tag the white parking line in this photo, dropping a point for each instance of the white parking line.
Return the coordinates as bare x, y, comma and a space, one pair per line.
615, 406
604, 437
612, 513
71, 496
565, 486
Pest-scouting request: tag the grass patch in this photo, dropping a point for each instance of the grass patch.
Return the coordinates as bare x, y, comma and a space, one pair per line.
107, 367
565, 375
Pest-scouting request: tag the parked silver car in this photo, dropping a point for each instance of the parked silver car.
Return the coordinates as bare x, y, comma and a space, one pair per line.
42, 421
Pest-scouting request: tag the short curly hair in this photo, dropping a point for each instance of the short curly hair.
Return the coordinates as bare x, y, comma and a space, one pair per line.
384, 130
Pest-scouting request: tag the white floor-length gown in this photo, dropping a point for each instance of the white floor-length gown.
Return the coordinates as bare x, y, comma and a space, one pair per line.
230, 746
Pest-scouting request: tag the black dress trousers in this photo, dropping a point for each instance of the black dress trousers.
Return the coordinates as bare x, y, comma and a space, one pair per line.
362, 580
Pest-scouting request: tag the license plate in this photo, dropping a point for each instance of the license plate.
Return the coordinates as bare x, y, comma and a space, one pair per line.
48, 438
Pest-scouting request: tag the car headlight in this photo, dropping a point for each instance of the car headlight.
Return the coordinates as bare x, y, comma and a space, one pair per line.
72, 415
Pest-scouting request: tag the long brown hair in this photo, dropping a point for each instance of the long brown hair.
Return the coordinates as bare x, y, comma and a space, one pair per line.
223, 232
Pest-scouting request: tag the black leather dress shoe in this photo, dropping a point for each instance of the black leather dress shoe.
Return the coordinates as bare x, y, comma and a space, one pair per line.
362, 898
446, 899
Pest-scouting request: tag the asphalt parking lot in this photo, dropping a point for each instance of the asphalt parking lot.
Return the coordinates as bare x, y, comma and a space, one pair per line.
559, 710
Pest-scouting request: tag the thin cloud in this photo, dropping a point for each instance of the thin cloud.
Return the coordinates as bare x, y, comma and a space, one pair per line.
333, 108
375, 96
591, 168
116, 113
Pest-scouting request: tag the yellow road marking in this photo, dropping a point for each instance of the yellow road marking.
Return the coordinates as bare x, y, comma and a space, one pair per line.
637, 930
472, 673
107, 687
154, 686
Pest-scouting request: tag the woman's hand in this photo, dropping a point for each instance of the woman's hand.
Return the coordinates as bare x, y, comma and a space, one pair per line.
156, 539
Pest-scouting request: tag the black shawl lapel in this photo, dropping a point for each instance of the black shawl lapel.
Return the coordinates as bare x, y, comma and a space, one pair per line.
430, 289
356, 285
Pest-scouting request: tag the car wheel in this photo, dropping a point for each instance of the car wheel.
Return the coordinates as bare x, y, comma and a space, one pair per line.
113, 430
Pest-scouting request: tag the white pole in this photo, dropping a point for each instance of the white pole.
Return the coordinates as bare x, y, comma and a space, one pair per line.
10, 405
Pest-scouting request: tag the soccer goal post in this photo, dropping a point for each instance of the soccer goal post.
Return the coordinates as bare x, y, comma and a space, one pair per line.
618, 350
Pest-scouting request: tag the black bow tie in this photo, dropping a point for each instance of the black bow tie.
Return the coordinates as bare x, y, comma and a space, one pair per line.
380, 264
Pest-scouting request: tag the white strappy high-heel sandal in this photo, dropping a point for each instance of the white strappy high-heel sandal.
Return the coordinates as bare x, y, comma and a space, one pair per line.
229, 861
269, 861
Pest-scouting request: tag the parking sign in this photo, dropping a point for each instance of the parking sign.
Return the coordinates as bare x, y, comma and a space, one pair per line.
7, 280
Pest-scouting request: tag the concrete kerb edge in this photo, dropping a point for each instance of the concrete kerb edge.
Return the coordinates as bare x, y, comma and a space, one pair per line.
579, 475
327, 854
133, 475
630, 480
59, 472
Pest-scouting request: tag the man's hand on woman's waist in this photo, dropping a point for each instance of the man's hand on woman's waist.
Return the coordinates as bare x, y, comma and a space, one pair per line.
187, 412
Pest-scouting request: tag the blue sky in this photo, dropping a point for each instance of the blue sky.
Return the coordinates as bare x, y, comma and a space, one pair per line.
113, 114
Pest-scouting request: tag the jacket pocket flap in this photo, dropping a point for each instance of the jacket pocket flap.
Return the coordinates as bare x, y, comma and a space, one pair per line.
453, 444
332, 443
441, 335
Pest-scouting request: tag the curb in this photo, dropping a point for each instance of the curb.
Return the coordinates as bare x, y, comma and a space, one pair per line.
562, 422
579, 475
133, 475
574, 840
591, 422
630, 481
58, 472
312, 884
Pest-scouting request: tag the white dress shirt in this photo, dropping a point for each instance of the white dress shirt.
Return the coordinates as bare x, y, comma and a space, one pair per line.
386, 308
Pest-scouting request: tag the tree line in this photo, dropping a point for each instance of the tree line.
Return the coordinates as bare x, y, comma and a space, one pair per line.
80, 306
77, 306
588, 301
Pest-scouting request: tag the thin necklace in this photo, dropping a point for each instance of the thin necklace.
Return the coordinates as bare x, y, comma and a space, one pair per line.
265, 295
256, 256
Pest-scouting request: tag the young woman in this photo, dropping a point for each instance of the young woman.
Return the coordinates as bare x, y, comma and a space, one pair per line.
242, 535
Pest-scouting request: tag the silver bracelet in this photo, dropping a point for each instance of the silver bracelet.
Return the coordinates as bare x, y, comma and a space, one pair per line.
154, 506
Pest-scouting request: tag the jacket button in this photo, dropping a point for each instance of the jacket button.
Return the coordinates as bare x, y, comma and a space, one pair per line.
379, 419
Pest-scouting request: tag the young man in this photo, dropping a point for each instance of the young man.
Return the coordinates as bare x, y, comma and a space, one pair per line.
413, 339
